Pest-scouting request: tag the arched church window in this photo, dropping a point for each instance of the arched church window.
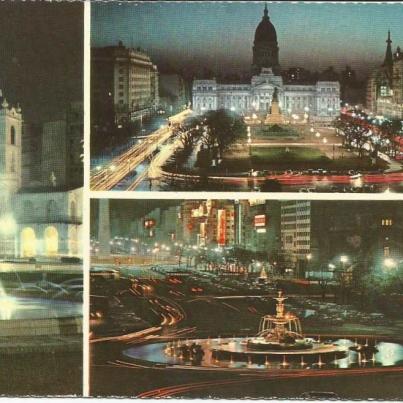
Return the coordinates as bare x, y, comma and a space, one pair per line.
12, 135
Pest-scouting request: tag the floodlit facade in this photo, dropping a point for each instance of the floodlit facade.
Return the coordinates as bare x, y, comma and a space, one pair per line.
41, 198
385, 85
318, 101
124, 83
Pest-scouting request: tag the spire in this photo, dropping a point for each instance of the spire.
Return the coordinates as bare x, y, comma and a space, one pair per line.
388, 56
266, 11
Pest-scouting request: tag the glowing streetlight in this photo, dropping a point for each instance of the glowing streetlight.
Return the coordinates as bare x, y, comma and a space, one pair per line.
343, 259
317, 134
389, 263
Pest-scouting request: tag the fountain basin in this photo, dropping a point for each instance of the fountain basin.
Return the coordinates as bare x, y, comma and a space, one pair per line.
262, 344
228, 353
24, 317
254, 348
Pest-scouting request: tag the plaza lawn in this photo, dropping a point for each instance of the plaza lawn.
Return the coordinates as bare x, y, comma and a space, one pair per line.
266, 132
296, 158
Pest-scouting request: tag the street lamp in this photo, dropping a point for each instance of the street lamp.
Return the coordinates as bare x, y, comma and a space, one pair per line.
250, 146
390, 263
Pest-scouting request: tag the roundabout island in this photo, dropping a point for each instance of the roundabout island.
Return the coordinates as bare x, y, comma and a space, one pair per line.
279, 344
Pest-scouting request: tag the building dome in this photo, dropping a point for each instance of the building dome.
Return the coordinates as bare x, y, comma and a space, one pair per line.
265, 49
265, 31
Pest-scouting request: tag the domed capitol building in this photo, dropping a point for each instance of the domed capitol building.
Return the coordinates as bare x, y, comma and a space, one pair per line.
320, 101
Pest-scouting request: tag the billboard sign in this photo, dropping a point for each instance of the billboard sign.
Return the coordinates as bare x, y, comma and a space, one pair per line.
260, 220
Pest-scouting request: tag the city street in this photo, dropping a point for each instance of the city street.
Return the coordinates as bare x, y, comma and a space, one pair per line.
108, 176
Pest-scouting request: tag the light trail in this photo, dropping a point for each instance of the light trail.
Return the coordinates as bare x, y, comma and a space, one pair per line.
170, 391
111, 174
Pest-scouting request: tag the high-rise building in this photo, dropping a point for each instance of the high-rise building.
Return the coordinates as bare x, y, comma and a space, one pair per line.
258, 226
316, 234
124, 84
296, 231
208, 222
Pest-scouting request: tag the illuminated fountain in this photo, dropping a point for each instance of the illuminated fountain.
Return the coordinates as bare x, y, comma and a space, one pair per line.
280, 337
282, 331
7, 304
279, 344
33, 315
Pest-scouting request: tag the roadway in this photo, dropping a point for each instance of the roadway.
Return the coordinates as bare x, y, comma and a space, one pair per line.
112, 375
270, 375
108, 176
300, 180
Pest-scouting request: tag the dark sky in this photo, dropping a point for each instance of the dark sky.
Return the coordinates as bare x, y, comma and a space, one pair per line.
41, 56
220, 34
127, 210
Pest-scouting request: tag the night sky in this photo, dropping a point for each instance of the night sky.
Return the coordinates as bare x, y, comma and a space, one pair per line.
127, 211
220, 35
41, 56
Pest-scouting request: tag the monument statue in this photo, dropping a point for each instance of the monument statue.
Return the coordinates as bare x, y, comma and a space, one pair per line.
274, 116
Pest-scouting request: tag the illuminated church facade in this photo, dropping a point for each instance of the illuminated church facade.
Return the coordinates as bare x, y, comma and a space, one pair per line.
45, 220
318, 101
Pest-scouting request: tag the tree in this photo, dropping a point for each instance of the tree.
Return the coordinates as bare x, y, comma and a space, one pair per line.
189, 133
222, 128
391, 129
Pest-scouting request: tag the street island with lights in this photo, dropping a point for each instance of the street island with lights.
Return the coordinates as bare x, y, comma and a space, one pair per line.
246, 298
251, 125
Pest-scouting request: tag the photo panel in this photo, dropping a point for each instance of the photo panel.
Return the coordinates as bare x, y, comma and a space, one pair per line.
254, 97
41, 198
246, 298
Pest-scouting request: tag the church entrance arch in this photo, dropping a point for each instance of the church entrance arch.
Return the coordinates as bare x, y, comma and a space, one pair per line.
28, 242
51, 237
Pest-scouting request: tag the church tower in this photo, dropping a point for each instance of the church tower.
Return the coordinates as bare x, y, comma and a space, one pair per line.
10, 152
265, 46
388, 62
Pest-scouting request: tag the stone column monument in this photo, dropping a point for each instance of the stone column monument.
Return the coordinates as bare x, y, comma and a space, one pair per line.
104, 229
